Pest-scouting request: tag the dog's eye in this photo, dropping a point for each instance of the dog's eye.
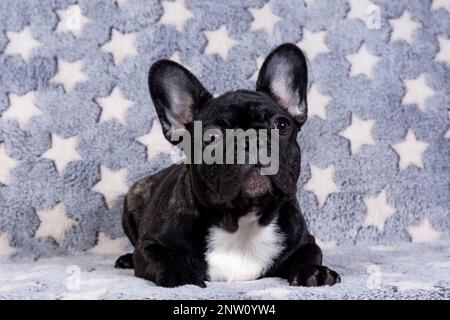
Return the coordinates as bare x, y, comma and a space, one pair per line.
282, 124
212, 135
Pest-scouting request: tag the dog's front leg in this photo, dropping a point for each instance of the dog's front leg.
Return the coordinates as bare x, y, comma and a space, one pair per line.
168, 267
304, 268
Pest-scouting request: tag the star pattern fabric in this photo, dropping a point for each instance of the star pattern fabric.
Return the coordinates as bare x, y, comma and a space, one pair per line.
7, 165
362, 62
440, 4
62, 152
115, 106
176, 57
54, 223
121, 46
156, 142
318, 103
264, 19
313, 43
444, 50
332, 244
410, 151
121, 3
219, 42
106, 245
22, 108
359, 9
175, 14
322, 183
112, 184
21, 43
359, 133
423, 232
70, 74
308, 3
378, 211
259, 62
417, 92
71, 20
403, 28
6, 250
74, 101
447, 135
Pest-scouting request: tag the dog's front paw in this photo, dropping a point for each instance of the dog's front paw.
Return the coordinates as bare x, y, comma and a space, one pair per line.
171, 279
313, 276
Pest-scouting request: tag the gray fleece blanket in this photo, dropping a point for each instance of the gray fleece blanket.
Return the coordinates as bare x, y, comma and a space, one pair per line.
375, 272
77, 128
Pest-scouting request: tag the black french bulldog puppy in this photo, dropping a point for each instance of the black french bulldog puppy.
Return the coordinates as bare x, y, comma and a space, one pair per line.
192, 223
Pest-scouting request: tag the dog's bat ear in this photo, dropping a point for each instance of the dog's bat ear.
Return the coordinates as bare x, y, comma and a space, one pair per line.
176, 94
284, 76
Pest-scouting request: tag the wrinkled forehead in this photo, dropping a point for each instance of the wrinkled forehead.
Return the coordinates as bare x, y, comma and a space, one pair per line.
240, 108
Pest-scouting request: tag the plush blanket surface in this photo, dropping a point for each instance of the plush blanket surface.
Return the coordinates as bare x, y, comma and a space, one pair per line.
374, 272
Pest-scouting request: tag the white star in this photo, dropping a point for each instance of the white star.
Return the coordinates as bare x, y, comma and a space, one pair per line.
322, 183
121, 3
410, 151
112, 184
437, 4
7, 164
444, 50
156, 142
403, 28
114, 106
22, 108
358, 9
263, 19
378, 211
313, 43
120, 46
317, 103
327, 245
219, 42
6, 250
54, 223
423, 232
21, 43
447, 135
62, 152
359, 133
176, 57
69, 74
71, 20
362, 62
259, 62
106, 245
175, 13
417, 92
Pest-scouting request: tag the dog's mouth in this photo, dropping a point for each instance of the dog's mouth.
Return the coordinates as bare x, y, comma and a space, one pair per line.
255, 184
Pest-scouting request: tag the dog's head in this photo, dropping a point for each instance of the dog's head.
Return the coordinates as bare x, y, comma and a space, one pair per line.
279, 103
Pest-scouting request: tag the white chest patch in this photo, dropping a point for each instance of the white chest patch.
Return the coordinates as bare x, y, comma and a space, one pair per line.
245, 254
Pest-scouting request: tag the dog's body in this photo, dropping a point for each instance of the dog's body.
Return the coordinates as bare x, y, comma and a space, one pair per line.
220, 222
